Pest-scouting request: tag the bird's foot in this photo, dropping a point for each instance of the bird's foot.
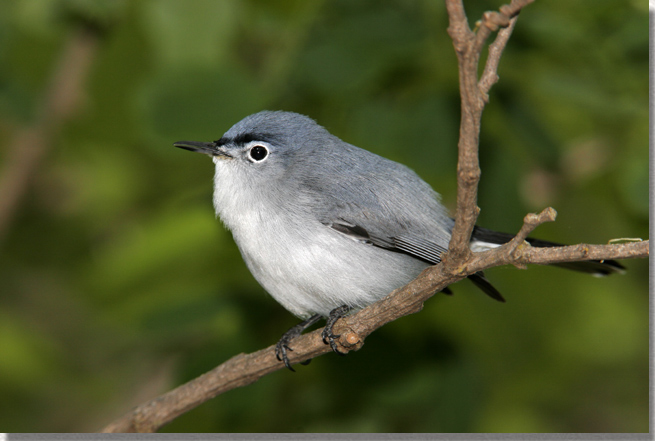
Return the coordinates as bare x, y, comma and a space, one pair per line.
282, 346
328, 336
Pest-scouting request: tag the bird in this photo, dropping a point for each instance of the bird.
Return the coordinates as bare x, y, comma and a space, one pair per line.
326, 227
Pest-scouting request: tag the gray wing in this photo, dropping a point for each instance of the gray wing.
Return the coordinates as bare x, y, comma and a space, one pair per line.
405, 242
380, 202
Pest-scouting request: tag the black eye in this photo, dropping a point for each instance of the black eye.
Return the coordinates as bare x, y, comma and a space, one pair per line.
258, 153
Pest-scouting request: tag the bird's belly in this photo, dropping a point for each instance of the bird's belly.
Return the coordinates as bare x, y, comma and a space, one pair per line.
322, 269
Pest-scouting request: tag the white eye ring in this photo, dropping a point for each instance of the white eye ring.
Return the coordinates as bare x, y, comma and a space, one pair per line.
257, 153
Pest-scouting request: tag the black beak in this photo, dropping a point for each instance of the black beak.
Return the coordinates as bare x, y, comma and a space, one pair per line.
208, 148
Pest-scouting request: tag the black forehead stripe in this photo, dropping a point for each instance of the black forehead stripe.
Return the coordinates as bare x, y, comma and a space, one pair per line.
245, 138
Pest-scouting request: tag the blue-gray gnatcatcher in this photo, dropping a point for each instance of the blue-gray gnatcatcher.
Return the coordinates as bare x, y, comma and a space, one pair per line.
326, 227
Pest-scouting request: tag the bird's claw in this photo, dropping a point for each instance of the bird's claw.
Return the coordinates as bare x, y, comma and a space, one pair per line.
282, 346
281, 349
329, 337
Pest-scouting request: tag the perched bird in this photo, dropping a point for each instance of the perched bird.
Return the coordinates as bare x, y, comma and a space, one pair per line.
326, 227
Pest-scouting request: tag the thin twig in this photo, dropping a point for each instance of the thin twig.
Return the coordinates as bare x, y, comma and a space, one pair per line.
490, 74
530, 222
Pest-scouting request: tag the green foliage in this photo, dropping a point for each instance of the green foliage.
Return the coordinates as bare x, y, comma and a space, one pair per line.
118, 284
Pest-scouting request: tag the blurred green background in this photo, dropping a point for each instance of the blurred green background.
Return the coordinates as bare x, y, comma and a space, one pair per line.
117, 283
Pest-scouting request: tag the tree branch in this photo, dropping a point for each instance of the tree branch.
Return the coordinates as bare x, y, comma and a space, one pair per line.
474, 95
458, 263
490, 75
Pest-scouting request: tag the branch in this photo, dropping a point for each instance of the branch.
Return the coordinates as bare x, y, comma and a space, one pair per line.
240, 370
458, 263
519, 253
490, 75
474, 95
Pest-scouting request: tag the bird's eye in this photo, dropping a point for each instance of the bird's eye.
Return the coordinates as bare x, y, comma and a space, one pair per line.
258, 153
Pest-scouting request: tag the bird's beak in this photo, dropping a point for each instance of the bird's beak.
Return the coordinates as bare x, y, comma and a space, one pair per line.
208, 148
